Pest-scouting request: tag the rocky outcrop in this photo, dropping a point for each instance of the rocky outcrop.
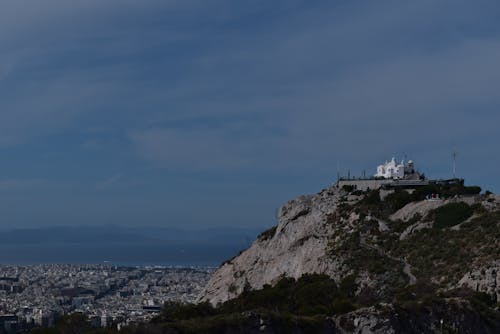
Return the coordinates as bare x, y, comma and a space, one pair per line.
423, 208
449, 316
485, 279
339, 233
404, 271
420, 209
298, 245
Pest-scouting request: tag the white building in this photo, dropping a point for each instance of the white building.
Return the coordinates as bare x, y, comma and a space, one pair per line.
393, 170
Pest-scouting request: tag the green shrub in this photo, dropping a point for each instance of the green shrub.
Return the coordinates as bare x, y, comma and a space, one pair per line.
348, 285
348, 187
473, 190
312, 294
452, 214
179, 311
372, 197
396, 200
75, 323
484, 304
341, 306
267, 234
444, 190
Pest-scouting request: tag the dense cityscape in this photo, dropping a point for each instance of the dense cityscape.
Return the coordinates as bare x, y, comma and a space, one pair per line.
110, 296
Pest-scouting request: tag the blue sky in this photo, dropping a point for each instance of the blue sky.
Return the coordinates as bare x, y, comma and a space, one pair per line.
213, 113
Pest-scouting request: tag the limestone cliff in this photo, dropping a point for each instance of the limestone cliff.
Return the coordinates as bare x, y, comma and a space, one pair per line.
387, 245
296, 246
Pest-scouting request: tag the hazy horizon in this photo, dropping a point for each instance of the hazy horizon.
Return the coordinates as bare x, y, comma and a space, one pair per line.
122, 245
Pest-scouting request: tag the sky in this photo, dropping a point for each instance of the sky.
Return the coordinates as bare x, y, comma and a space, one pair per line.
196, 114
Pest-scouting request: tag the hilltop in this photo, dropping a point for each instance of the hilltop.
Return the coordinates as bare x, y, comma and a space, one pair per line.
385, 242
345, 260
397, 248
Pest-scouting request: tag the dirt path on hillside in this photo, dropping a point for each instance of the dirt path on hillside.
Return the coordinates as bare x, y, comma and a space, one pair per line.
412, 280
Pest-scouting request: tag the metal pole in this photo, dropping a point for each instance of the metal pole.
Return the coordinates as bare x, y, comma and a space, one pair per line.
338, 172
454, 164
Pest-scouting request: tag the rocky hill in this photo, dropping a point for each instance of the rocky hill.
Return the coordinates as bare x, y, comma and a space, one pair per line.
346, 261
396, 247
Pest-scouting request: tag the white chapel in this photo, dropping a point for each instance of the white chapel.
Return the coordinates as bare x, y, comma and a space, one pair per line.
393, 170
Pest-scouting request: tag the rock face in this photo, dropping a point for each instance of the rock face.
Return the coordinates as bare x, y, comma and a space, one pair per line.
450, 316
485, 279
408, 265
421, 209
339, 233
298, 245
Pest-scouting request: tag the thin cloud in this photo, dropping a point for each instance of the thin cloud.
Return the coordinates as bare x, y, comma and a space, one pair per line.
15, 184
109, 182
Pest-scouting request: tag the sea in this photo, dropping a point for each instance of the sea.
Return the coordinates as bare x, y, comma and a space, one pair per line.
123, 246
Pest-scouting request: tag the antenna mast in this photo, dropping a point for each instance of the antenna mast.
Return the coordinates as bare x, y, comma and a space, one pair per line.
454, 155
338, 172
